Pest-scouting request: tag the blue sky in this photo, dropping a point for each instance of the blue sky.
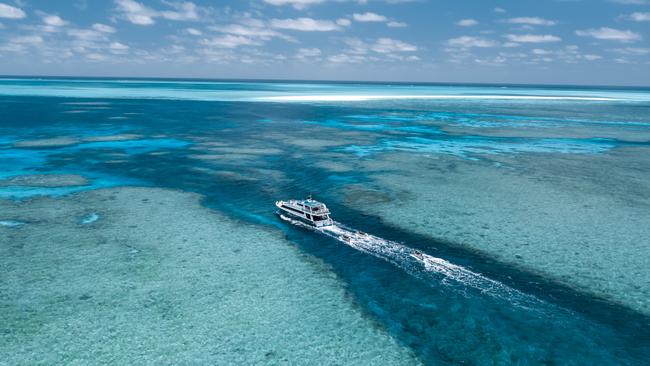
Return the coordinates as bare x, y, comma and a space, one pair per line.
561, 41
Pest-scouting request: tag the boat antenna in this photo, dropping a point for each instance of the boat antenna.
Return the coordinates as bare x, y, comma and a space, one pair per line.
310, 196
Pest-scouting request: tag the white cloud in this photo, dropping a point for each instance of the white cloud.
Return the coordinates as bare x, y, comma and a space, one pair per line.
12, 47
305, 25
469, 42
532, 38
377, 18
27, 40
369, 17
466, 22
183, 11
252, 22
193, 31
309, 52
381, 45
21, 43
343, 22
590, 57
51, 23
632, 51
541, 51
53, 20
382, 49
95, 56
396, 24
11, 12
251, 28
610, 34
303, 4
140, 14
567, 54
174, 49
230, 41
136, 12
305, 53
499, 10
389, 45
86, 34
103, 28
298, 4
345, 58
491, 61
118, 48
639, 17
531, 21
357, 46
253, 31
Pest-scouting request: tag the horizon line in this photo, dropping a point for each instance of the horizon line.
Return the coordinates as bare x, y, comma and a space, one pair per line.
335, 81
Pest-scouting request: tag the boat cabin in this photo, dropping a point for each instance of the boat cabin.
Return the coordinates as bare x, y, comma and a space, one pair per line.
309, 211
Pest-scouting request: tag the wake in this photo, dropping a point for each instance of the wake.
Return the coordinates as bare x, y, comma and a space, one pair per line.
430, 269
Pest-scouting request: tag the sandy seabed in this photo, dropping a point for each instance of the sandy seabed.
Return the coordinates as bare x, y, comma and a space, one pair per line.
159, 278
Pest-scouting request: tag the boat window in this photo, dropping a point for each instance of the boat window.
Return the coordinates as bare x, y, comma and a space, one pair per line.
293, 209
320, 218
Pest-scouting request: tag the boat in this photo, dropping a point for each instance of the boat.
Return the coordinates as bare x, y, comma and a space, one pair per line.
417, 255
309, 211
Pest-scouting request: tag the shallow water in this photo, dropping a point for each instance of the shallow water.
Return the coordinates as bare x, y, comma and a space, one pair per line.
389, 165
162, 279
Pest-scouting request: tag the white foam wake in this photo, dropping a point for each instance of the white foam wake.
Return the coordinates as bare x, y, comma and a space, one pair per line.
423, 266
371, 97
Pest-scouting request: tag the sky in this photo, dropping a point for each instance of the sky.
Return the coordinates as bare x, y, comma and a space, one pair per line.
589, 42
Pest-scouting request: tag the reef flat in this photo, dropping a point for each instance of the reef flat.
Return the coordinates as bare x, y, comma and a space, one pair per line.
47, 142
160, 278
45, 180
580, 220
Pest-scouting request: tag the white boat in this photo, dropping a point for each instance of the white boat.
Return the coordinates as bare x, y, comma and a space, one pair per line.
309, 211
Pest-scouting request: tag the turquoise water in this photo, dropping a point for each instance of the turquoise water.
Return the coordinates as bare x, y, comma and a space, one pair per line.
300, 92
244, 145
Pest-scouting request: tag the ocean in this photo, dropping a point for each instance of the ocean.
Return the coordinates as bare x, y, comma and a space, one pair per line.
532, 202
